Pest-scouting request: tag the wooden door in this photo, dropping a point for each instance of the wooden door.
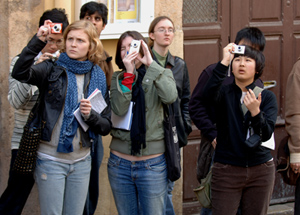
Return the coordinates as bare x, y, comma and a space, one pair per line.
208, 26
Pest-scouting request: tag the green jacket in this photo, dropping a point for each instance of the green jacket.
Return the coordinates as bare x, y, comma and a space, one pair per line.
159, 87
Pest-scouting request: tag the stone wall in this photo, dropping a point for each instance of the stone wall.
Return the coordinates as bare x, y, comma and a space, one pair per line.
18, 22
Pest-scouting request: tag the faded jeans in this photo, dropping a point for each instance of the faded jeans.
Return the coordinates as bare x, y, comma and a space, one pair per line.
62, 187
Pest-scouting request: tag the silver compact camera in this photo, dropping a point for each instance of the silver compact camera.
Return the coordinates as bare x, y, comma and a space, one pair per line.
239, 49
134, 46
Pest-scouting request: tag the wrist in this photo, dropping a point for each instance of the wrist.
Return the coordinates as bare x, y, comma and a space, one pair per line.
149, 63
254, 113
225, 62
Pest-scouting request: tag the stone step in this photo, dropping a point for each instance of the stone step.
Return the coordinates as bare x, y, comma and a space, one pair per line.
193, 208
281, 209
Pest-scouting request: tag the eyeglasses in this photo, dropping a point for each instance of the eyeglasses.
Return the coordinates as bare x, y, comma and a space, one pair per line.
163, 30
57, 42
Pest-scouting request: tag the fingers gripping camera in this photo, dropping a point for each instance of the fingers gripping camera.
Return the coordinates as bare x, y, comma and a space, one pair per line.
56, 28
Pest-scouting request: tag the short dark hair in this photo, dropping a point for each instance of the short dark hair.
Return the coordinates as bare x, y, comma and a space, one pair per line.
135, 35
56, 15
92, 7
252, 36
256, 55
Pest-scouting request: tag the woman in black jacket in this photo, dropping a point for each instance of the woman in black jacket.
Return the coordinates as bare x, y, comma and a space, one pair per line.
64, 163
243, 171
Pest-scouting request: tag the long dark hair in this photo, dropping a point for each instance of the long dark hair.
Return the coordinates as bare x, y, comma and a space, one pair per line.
135, 35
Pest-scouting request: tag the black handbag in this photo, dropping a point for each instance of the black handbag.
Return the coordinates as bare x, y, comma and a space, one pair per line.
27, 154
172, 152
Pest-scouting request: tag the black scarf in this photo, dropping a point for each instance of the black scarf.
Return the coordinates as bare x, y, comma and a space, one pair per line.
138, 126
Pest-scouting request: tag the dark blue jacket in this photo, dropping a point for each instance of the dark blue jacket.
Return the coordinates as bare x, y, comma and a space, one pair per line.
202, 112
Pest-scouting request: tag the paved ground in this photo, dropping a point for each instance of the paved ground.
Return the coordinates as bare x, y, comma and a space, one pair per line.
279, 209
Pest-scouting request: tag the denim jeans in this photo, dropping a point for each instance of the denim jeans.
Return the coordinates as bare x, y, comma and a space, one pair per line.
18, 188
138, 185
169, 206
62, 187
248, 187
93, 192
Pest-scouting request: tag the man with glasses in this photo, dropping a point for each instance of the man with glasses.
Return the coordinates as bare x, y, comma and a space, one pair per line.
22, 97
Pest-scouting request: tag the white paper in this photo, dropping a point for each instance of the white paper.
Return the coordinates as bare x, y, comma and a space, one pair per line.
98, 104
269, 143
122, 122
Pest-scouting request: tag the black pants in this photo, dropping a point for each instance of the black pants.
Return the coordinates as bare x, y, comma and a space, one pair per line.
17, 191
297, 198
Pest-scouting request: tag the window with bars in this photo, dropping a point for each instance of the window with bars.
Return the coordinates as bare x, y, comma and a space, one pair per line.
199, 11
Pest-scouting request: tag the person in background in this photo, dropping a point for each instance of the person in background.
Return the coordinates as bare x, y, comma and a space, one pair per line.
243, 173
137, 168
161, 34
203, 113
22, 98
97, 14
63, 165
292, 119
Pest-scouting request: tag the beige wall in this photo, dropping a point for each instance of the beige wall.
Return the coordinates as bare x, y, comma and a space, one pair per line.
20, 18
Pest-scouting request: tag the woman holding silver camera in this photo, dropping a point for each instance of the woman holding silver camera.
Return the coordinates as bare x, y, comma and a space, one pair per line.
137, 168
64, 162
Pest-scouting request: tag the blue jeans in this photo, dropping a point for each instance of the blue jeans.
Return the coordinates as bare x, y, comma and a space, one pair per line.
169, 207
93, 192
139, 185
62, 187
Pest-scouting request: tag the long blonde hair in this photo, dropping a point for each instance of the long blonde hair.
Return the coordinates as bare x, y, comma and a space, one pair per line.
96, 48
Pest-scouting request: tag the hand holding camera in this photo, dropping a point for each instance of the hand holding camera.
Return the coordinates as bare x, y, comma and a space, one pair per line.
56, 28
49, 28
238, 49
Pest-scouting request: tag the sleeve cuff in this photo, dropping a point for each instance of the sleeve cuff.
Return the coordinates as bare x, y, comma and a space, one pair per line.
295, 158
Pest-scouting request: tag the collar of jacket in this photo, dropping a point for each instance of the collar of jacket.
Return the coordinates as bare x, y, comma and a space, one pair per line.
169, 61
250, 86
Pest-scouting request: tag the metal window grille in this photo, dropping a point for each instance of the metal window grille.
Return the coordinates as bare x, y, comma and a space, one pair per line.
200, 11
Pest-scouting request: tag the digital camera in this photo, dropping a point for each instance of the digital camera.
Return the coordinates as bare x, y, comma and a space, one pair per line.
134, 46
239, 49
56, 28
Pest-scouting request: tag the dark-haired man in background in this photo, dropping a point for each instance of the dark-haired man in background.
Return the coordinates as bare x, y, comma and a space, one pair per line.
97, 14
